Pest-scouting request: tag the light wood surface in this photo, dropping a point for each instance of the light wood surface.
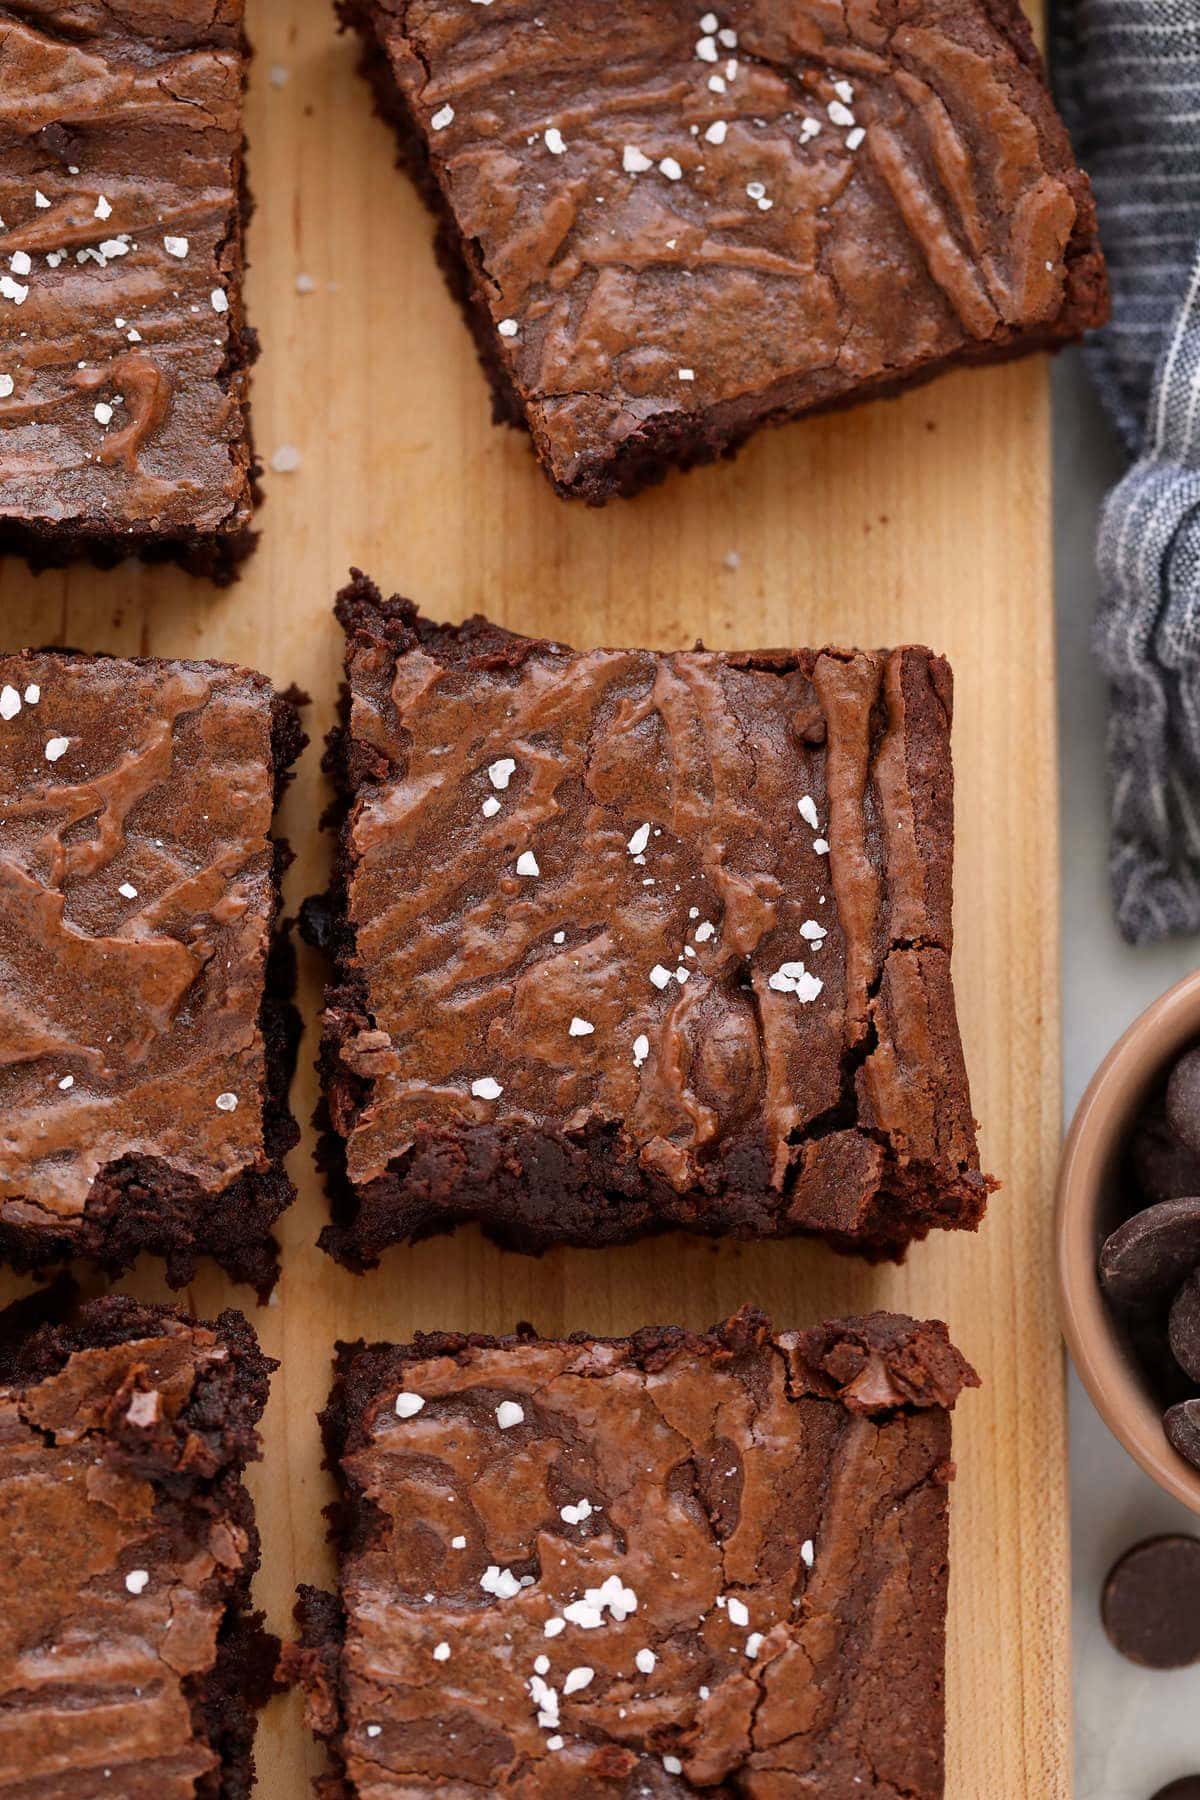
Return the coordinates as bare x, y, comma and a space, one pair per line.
923, 519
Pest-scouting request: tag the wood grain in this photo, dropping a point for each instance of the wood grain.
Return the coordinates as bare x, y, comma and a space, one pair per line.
923, 519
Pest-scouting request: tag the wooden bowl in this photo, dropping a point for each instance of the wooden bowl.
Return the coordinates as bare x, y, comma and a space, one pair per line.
1093, 1199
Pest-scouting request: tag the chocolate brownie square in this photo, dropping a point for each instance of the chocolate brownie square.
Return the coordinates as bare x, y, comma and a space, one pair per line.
124, 351
629, 940
130, 1661
658, 1565
669, 226
146, 1035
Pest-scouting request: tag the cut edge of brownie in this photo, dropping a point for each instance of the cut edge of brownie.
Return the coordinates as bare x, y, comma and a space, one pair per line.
911, 1201
687, 441
219, 1424
218, 555
141, 1204
877, 1364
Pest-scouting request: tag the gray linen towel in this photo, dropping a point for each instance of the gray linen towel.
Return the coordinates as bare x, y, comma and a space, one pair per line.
1128, 74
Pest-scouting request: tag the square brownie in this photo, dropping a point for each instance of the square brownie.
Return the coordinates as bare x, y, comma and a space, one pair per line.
669, 226
629, 940
130, 1661
124, 351
664, 1564
146, 1036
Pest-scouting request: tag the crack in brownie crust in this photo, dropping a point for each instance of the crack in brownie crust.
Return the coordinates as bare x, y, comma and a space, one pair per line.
630, 940
668, 228
147, 1036
130, 1661
661, 1565
124, 352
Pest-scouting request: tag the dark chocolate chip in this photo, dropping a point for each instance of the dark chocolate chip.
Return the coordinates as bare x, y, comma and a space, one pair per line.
1162, 1167
1151, 1603
1182, 1426
1186, 1788
1148, 1256
1183, 1099
1184, 1329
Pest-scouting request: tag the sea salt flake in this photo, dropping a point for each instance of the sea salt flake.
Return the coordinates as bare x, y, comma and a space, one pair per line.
176, 246
807, 808
508, 1414
508, 328
127, 890
102, 413
103, 209
639, 840
716, 132
633, 161
793, 978
20, 262
443, 117
490, 807
137, 1581
672, 1765
670, 168
501, 772
220, 300
68, 1081
7, 384
645, 1660
554, 141
807, 1553
441, 1652
641, 1049
706, 48
839, 114
10, 703
486, 1088
580, 1027
409, 1405
56, 747
500, 1582
226, 1103
577, 1678
527, 864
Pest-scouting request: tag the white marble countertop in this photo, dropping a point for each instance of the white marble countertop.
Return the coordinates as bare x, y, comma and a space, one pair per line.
1134, 1729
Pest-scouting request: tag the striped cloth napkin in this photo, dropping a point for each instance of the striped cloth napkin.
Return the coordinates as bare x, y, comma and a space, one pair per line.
1128, 74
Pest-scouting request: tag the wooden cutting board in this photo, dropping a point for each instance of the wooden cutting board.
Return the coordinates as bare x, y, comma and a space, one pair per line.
923, 519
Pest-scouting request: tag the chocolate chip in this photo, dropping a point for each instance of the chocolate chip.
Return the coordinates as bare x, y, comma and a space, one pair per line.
1149, 1255
1162, 1167
1151, 1603
1182, 1426
1186, 1788
1185, 1326
1183, 1099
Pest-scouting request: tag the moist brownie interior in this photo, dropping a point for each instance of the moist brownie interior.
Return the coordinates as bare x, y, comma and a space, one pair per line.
147, 1036
628, 940
124, 351
662, 1565
669, 226
130, 1661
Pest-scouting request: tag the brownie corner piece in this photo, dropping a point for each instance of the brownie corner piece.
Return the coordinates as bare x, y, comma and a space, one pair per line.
149, 1036
628, 940
133, 1659
665, 1564
124, 349
668, 228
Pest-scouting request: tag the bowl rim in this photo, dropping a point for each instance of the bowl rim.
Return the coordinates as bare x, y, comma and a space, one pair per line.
1092, 1335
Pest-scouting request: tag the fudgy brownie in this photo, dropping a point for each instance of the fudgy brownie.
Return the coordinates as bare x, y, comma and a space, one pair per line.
669, 226
629, 940
124, 350
666, 1564
130, 1661
146, 1033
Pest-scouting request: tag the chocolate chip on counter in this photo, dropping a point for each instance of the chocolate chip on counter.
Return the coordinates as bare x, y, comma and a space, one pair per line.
1151, 1603
1149, 1255
1186, 1788
1183, 1099
1184, 1330
1162, 1167
1182, 1426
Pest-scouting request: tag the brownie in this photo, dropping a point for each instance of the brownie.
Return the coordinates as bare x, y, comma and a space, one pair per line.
668, 226
656, 1565
146, 1033
628, 940
131, 1662
124, 351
